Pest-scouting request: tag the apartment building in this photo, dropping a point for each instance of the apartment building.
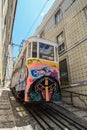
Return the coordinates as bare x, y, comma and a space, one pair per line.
66, 24
7, 15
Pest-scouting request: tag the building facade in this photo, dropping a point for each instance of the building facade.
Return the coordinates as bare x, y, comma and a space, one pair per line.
9, 66
66, 24
7, 14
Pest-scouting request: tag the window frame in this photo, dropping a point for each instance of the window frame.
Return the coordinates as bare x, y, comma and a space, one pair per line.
62, 43
28, 50
85, 12
51, 56
56, 54
58, 16
64, 80
33, 49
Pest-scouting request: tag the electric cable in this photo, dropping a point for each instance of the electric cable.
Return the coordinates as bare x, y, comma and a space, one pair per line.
20, 46
36, 18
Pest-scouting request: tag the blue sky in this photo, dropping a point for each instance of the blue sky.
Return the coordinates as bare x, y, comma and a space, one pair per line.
26, 14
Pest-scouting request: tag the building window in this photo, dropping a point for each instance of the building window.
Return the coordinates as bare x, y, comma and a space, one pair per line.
4, 2
85, 12
64, 73
58, 16
60, 41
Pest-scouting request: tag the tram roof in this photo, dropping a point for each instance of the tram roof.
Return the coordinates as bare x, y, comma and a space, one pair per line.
42, 40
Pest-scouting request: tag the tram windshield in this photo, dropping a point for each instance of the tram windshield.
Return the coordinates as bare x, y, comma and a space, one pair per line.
42, 51
46, 51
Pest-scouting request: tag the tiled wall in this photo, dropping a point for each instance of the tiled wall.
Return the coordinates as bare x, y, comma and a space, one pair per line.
74, 26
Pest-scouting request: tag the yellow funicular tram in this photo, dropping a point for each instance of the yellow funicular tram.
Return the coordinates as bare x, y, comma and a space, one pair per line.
36, 72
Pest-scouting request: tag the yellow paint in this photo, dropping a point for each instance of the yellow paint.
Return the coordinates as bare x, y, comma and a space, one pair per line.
43, 62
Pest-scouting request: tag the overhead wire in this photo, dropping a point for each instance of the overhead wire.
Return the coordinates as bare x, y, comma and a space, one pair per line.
29, 30
31, 26
36, 19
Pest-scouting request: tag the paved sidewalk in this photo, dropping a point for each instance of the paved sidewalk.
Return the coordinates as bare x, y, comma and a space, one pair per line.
2, 89
6, 115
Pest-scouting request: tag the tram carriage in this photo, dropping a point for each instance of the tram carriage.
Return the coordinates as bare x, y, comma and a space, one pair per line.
35, 75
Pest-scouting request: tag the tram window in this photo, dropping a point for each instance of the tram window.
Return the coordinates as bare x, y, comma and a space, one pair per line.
34, 49
46, 51
29, 50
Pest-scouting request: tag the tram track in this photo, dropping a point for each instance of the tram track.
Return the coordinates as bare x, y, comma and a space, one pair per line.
59, 122
42, 122
73, 117
45, 116
67, 116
